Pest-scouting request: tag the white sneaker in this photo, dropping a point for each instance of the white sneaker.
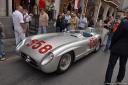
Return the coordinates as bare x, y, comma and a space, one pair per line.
2, 59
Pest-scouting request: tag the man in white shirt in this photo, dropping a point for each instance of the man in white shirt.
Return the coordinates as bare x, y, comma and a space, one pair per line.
19, 25
82, 23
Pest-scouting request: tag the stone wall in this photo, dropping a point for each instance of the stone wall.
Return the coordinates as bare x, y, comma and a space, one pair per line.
2, 7
8, 27
125, 4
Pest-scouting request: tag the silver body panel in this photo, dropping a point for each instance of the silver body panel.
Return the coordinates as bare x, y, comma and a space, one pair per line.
61, 43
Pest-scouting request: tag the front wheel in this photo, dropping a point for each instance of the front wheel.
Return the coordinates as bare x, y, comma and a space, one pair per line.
65, 63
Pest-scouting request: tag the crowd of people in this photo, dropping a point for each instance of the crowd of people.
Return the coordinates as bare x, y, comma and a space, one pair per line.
64, 22
21, 20
110, 25
71, 21
117, 42
114, 28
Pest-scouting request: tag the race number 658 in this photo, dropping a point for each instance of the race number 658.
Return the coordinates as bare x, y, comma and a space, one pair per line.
37, 44
92, 42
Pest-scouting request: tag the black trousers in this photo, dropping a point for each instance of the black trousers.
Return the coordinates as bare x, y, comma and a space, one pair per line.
51, 15
122, 67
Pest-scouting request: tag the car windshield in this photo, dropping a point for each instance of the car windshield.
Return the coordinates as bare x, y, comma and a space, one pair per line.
90, 30
87, 34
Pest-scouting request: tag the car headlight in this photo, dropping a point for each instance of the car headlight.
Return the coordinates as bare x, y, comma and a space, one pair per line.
47, 59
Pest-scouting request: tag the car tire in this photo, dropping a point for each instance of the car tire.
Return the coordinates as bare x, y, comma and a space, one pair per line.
65, 62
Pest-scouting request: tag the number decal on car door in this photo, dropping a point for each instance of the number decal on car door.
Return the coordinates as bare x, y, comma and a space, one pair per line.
37, 44
92, 42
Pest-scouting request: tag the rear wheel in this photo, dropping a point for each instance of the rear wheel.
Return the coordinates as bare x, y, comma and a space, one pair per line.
65, 63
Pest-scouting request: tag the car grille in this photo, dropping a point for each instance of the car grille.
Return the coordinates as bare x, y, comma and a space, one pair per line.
29, 60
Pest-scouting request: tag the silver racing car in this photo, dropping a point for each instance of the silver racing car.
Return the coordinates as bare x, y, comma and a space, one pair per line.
57, 51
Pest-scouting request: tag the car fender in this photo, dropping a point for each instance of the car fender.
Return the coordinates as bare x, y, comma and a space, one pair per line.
68, 50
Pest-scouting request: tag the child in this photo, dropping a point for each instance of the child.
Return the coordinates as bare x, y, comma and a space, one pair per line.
2, 53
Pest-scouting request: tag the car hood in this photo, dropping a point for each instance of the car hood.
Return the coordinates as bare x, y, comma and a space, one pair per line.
53, 39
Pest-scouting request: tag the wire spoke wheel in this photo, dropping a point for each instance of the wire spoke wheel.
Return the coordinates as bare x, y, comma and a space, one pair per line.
65, 62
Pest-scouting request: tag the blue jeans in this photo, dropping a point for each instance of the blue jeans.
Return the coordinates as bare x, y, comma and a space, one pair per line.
42, 29
108, 41
2, 53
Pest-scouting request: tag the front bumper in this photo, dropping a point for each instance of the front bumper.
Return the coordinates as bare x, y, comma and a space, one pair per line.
48, 68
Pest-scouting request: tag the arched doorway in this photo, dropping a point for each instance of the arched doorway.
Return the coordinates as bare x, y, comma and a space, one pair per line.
70, 5
100, 16
27, 4
64, 5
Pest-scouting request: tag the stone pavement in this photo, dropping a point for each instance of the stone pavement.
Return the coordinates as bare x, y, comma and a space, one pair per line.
9, 45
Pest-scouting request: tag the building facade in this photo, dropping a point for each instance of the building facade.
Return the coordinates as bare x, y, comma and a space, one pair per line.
5, 13
6, 8
124, 4
105, 8
96, 9
3, 8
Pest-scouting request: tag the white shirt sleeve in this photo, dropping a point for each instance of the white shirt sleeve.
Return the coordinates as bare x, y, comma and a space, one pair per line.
21, 18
